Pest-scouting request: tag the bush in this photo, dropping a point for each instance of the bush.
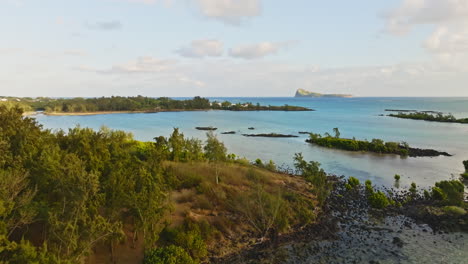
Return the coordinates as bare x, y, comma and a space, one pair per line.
190, 236
168, 255
413, 189
397, 177
427, 195
438, 194
369, 188
453, 191
465, 163
465, 175
378, 200
454, 210
353, 182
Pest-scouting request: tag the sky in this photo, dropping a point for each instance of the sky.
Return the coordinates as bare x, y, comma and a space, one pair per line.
233, 48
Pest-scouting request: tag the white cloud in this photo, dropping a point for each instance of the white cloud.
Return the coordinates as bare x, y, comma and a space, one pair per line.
202, 48
417, 12
75, 52
105, 25
144, 64
448, 43
257, 50
229, 11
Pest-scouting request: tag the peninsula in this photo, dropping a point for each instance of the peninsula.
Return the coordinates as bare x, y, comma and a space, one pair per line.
136, 104
305, 93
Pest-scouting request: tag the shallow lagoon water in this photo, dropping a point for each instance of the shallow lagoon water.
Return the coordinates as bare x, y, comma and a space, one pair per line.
355, 117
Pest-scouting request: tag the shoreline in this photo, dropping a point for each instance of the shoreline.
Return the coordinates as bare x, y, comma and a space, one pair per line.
33, 113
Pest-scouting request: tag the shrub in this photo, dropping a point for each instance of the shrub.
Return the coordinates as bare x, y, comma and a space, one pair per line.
271, 166
264, 211
259, 163
354, 182
453, 191
168, 255
189, 237
397, 177
369, 188
427, 194
413, 189
465, 175
465, 163
378, 200
438, 194
454, 210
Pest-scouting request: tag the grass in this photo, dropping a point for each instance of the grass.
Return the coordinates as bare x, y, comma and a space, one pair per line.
230, 206
465, 175
454, 210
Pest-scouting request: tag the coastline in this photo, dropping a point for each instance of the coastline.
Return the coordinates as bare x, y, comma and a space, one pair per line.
33, 113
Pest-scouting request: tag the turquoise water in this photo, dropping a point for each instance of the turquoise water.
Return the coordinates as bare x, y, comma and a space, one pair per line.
355, 117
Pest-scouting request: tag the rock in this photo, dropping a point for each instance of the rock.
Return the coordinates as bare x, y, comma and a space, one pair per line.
206, 128
398, 242
273, 135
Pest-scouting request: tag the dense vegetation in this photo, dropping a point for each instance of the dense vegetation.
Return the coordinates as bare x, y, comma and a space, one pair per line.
135, 104
376, 145
437, 117
465, 174
97, 196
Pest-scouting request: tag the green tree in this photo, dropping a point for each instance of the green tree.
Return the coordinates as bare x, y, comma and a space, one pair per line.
168, 255
337, 132
312, 173
215, 152
176, 144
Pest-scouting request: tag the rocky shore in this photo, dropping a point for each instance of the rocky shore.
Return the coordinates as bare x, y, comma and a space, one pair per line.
207, 128
350, 231
272, 135
417, 152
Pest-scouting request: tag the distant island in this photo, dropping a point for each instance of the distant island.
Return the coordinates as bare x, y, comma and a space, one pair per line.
137, 104
305, 93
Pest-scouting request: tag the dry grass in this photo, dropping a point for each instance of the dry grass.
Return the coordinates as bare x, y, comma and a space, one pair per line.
215, 203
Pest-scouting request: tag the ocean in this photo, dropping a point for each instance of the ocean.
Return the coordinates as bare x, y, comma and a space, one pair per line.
355, 117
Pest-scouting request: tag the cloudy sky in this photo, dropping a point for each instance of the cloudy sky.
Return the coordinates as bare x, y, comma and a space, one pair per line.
233, 47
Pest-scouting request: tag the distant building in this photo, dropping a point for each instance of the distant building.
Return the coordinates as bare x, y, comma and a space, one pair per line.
3, 100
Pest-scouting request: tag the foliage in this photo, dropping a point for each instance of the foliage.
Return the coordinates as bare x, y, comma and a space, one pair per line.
79, 188
454, 210
438, 194
413, 189
215, 151
397, 177
75, 189
376, 145
369, 188
438, 117
168, 255
265, 212
450, 192
312, 173
136, 103
378, 200
190, 237
353, 182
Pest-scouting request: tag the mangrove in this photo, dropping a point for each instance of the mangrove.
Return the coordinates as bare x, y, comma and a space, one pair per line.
433, 117
376, 146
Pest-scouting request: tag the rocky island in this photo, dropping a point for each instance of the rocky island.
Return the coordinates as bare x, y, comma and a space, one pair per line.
305, 93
